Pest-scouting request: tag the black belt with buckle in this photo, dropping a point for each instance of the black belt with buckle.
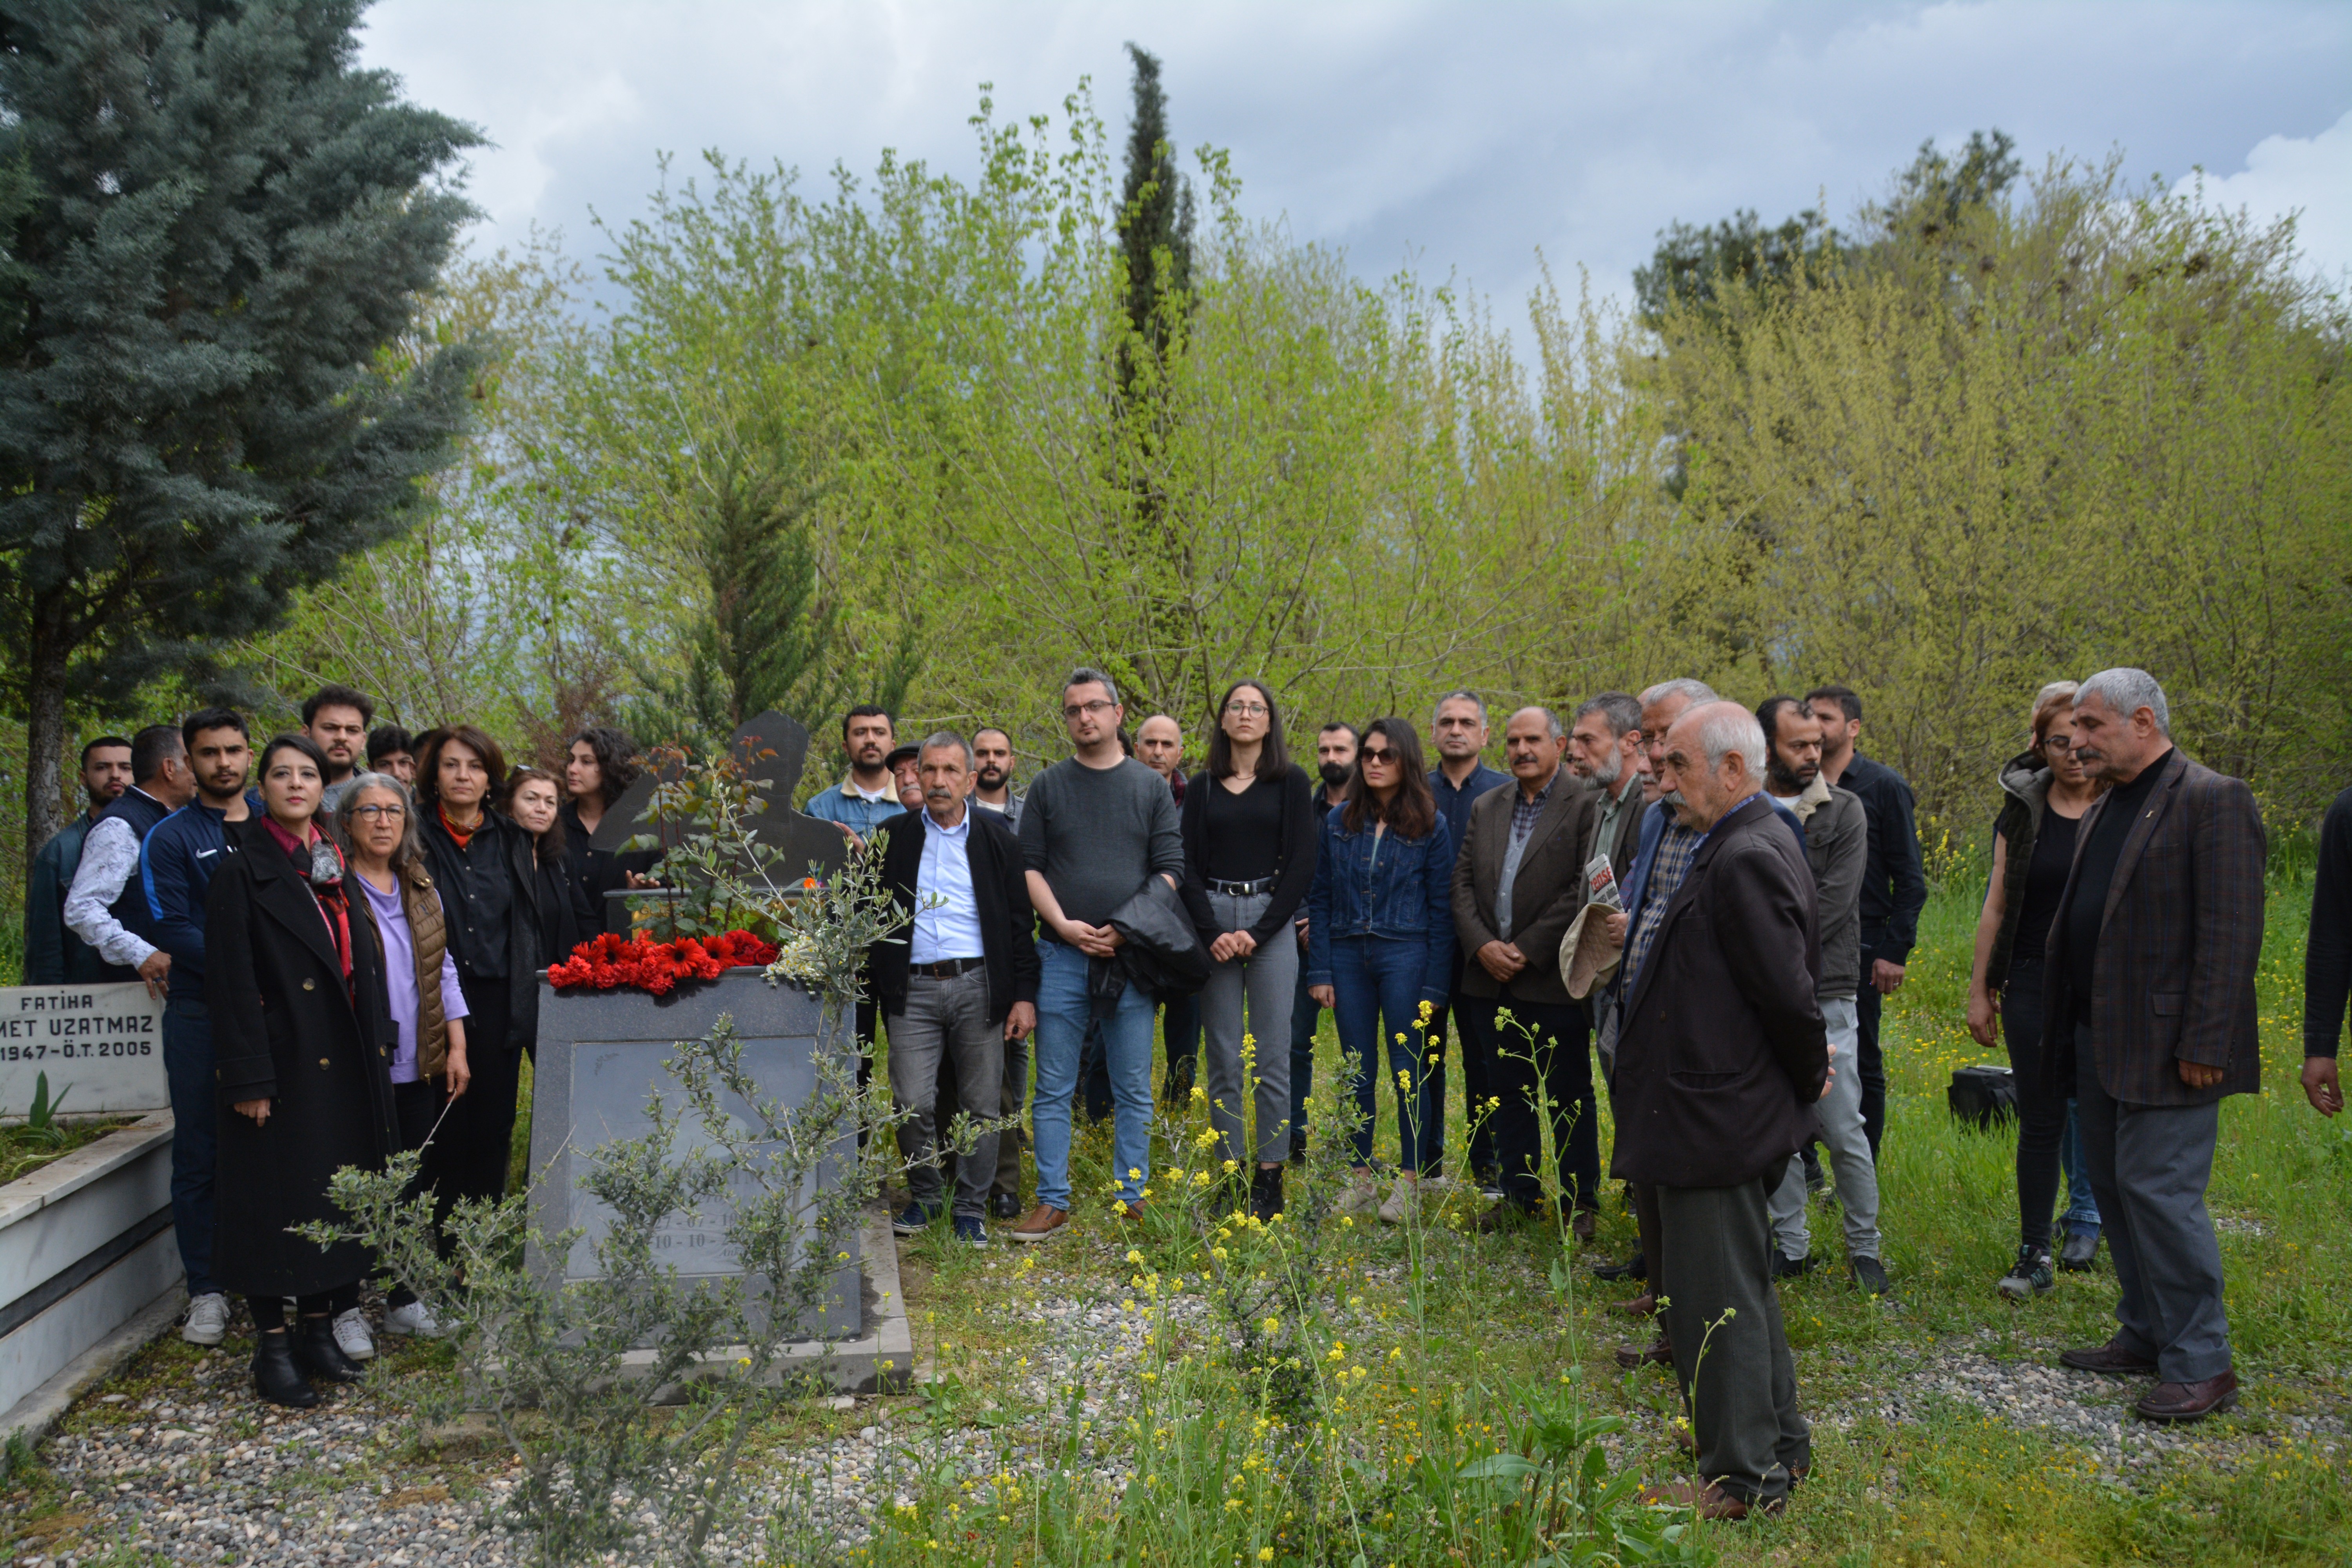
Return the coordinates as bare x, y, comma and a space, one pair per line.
1242, 889
946, 968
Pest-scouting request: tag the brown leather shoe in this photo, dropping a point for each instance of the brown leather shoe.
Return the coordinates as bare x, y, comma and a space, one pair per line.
2110, 1358
2189, 1401
1040, 1224
1583, 1224
1711, 1501
1645, 1305
1132, 1213
1660, 1352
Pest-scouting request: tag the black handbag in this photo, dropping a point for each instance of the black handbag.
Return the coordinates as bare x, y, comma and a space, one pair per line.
1983, 1096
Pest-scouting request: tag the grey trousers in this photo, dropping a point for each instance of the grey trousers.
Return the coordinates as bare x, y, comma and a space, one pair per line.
2148, 1166
949, 1017
1857, 1174
1731, 1349
1268, 979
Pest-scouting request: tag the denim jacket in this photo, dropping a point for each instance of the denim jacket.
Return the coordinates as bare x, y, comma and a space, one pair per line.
1401, 889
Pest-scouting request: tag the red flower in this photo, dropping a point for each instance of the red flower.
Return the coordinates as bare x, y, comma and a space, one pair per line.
609, 961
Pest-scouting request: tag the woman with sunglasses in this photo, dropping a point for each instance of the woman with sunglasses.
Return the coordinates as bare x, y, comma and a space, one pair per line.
2045, 792
1249, 829
1380, 935
302, 1048
429, 1066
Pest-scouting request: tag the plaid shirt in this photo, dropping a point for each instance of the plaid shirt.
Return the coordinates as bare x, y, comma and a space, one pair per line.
1670, 863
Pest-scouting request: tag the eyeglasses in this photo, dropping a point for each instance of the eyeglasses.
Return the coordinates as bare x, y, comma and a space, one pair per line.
382, 811
2060, 742
1249, 709
1073, 709
1379, 755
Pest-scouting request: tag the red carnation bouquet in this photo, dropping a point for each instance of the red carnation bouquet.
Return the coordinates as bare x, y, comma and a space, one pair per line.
612, 962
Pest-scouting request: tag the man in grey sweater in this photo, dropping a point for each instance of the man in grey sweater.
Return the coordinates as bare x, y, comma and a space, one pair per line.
1836, 849
1094, 828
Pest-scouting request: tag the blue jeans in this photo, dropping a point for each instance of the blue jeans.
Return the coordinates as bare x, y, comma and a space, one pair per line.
195, 1135
2082, 1208
1377, 996
1064, 1011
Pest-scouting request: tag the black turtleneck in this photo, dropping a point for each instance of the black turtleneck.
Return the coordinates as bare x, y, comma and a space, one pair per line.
2120, 809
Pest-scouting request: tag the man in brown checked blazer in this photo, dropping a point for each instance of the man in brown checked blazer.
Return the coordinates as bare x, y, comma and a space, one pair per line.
2151, 974
1518, 881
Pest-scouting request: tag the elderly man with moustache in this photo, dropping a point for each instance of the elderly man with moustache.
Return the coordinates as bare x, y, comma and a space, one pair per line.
2151, 976
1721, 1053
1518, 883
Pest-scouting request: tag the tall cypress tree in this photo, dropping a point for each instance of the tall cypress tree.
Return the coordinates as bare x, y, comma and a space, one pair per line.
1156, 221
214, 225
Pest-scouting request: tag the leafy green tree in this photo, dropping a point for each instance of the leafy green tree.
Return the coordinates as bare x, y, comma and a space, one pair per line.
1155, 229
215, 226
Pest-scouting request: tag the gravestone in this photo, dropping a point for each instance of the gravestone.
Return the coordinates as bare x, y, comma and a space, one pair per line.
773, 747
102, 1046
602, 1054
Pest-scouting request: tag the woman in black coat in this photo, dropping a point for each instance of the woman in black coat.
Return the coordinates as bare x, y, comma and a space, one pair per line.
558, 896
302, 1041
482, 864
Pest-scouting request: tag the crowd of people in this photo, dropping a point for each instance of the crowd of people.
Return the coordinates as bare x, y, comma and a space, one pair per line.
1710, 901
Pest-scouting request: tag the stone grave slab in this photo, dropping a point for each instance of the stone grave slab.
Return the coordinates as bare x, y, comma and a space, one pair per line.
102, 1046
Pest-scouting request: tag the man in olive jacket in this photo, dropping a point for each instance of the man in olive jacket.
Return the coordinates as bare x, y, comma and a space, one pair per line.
2150, 971
1720, 1057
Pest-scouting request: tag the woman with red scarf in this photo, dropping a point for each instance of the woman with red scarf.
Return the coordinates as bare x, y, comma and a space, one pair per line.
302, 1040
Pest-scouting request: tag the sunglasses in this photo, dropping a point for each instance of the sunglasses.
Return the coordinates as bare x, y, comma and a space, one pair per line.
1381, 754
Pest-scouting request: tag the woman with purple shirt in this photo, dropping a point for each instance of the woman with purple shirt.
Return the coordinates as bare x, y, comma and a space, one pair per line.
428, 1064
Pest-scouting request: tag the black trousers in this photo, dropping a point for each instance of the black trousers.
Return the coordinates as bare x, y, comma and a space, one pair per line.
417, 1107
269, 1311
1542, 1052
2041, 1115
1731, 1348
469, 1158
1870, 1064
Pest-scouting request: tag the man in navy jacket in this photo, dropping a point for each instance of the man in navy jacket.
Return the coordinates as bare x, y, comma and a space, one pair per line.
176, 864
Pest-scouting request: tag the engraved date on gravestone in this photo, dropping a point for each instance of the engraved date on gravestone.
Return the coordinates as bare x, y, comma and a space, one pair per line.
100, 1045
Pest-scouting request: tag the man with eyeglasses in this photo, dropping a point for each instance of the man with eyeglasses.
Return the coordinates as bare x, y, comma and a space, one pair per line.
1459, 726
176, 863
1095, 828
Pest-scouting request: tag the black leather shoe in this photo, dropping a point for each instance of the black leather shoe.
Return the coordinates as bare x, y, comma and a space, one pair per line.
1870, 1277
1634, 1267
2081, 1253
1298, 1148
316, 1351
276, 1377
1005, 1206
1787, 1267
1265, 1192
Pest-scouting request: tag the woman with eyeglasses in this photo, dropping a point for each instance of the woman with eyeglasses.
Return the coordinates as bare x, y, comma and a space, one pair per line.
1249, 829
481, 864
302, 1052
2044, 793
429, 1066
1380, 935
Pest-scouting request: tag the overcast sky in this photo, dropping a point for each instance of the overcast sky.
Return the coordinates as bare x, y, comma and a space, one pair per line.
1457, 137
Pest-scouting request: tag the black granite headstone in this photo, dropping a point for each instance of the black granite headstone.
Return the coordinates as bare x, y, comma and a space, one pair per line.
603, 1053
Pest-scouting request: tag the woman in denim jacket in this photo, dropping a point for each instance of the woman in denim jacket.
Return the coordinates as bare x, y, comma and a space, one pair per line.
1380, 935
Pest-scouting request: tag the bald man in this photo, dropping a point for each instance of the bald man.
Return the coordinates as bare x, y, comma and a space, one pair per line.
1159, 746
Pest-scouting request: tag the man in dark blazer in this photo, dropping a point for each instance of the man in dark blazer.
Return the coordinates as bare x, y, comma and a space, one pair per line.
1721, 1053
958, 981
1604, 749
1518, 883
2151, 975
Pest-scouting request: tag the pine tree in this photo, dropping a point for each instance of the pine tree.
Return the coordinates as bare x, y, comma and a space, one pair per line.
215, 223
1155, 229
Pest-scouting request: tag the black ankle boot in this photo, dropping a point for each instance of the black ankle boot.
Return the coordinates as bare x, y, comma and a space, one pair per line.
1265, 1192
276, 1377
316, 1351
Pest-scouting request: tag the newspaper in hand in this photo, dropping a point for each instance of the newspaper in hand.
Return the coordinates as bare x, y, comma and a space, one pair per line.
1601, 884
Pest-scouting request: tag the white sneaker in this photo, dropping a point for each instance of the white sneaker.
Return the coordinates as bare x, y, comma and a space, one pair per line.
1405, 1197
351, 1335
208, 1322
412, 1319
1360, 1197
